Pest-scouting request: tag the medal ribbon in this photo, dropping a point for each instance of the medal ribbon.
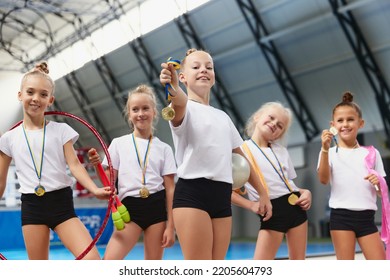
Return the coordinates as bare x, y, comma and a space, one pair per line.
385, 231
143, 164
39, 173
255, 165
176, 65
282, 176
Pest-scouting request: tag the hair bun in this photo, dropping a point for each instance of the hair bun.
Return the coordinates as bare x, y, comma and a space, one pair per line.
347, 97
43, 67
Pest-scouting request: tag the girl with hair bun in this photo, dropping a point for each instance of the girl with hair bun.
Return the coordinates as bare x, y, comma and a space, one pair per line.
204, 139
355, 176
41, 150
145, 168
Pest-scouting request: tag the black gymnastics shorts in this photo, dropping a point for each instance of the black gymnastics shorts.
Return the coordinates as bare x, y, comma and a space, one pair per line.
214, 197
147, 211
284, 215
51, 209
362, 223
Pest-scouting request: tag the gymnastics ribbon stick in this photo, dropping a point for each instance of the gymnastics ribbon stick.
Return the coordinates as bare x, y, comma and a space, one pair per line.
385, 231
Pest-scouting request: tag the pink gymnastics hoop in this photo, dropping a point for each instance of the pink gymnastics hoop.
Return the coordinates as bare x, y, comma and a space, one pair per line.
111, 200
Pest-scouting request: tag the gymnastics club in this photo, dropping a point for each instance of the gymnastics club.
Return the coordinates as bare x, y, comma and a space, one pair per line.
124, 214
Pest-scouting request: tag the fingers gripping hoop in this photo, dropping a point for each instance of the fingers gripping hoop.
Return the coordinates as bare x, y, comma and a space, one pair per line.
111, 200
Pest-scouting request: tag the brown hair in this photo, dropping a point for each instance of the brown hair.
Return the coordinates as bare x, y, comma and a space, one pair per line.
41, 69
347, 100
190, 51
142, 89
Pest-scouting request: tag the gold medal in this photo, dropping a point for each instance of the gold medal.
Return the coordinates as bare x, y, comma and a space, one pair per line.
168, 113
39, 190
333, 130
144, 192
292, 199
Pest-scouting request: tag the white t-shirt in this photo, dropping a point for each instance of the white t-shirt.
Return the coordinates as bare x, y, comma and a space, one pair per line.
204, 142
275, 184
124, 159
54, 176
349, 189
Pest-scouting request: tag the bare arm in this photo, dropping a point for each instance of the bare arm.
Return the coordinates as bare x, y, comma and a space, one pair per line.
81, 175
323, 167
5, 162
245, 203
94, 159
265, 206
169, 233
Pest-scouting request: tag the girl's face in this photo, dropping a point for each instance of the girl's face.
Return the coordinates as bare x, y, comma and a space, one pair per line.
347, 122
198, 73
271, 123
36, 94
141, 112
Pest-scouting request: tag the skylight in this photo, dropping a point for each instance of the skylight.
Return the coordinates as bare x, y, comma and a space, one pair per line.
140, 20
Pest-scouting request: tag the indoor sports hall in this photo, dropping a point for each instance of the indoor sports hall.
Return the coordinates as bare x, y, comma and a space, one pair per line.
302, 53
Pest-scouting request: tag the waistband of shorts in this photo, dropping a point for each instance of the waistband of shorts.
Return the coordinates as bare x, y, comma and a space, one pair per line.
49, 193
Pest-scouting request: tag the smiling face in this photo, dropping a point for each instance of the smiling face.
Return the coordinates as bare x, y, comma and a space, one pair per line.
36, 94
141, 113
271, 123
347, 122
198, 72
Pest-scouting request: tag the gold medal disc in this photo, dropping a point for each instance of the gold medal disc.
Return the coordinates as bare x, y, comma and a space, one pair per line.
39, 190
144, 192
168, 113
333, 130
292, 199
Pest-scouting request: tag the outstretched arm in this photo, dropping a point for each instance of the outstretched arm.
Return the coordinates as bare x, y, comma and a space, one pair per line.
81, 175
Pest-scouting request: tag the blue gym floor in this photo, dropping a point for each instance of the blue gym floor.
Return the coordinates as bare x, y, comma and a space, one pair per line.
237, 251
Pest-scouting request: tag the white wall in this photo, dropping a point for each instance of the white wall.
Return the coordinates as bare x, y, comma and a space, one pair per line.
10, 109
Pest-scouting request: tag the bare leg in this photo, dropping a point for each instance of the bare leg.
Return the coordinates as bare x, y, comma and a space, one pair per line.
297, 242
37, 241
344, 244
267, 245
122, 241
153, 237
222, 228
75, 236
195, 233
372, 247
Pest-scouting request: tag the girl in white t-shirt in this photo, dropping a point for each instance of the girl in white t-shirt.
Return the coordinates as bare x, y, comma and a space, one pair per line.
145, 169
352, 194
41, 150
266, 127
204, 139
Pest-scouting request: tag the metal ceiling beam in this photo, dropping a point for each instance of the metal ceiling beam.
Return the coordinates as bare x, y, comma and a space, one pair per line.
103, 69
366, 59
142, 54
81, 98
151, 71
219, 90
279, 69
